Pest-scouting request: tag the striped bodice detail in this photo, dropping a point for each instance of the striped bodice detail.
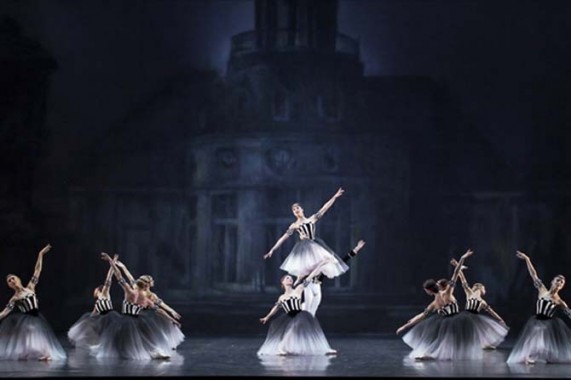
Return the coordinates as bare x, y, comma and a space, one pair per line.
306, 231
473, 305
291, 305
545, 308
130, 308
103, 305
449, 309
28, 303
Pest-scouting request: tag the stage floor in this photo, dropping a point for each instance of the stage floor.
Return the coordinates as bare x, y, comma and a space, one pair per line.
359, 356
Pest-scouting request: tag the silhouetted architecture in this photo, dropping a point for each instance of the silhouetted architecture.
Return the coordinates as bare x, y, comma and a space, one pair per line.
195, 184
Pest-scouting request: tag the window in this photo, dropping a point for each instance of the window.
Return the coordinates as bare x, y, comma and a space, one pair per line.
225, 238
280, 106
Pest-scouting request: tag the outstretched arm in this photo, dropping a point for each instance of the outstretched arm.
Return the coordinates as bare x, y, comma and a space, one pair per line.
328, 204
128, 274
457, 270
495, 315
8, 309
462, 277
417, 318
38, 269
167, 316
126, 287
159, 302
352, 253
536, 280
280, 241
107, 283
273, 310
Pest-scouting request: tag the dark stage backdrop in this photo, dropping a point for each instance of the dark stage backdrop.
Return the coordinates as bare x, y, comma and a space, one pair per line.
178, 133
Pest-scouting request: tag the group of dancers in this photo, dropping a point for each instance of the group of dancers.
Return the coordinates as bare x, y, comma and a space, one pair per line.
443, 332
148, 328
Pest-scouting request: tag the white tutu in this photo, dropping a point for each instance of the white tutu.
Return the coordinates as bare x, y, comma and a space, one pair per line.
28, 336
306, 254
86, 331
421, 335
131, 337
445, 338
300, 334
543, 340
162, 328
490, 332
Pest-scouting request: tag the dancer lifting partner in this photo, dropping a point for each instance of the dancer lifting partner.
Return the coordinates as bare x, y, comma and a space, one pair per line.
296, 332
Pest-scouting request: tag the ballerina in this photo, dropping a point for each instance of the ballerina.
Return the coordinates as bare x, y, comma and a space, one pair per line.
25, 334
296, 332
161, 326
424, 325
309, 250
85, 332
544, 338
490, 331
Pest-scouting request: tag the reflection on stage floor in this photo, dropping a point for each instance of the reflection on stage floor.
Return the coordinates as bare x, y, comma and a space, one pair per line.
359, 356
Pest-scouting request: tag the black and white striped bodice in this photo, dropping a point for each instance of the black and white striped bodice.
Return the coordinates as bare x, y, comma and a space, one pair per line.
473, 305
449, 309
292, 305
545, 308
306, 231
103, 305
28, 304
129, 308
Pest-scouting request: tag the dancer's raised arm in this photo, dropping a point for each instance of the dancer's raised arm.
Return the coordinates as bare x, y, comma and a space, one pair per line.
128, 274
38, 268
120, 280
328, 204
107, 284
532, 272
457, 270
465, 284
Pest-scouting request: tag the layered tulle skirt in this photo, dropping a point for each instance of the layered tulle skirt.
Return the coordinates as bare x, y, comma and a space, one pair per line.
490, 332
307, 254
131, 337
28, 336
300, 334
452, 337
543, 340
86, 331
163, 329
421, 335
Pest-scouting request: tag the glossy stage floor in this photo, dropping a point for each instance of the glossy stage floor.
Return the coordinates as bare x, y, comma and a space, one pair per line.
359, 356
